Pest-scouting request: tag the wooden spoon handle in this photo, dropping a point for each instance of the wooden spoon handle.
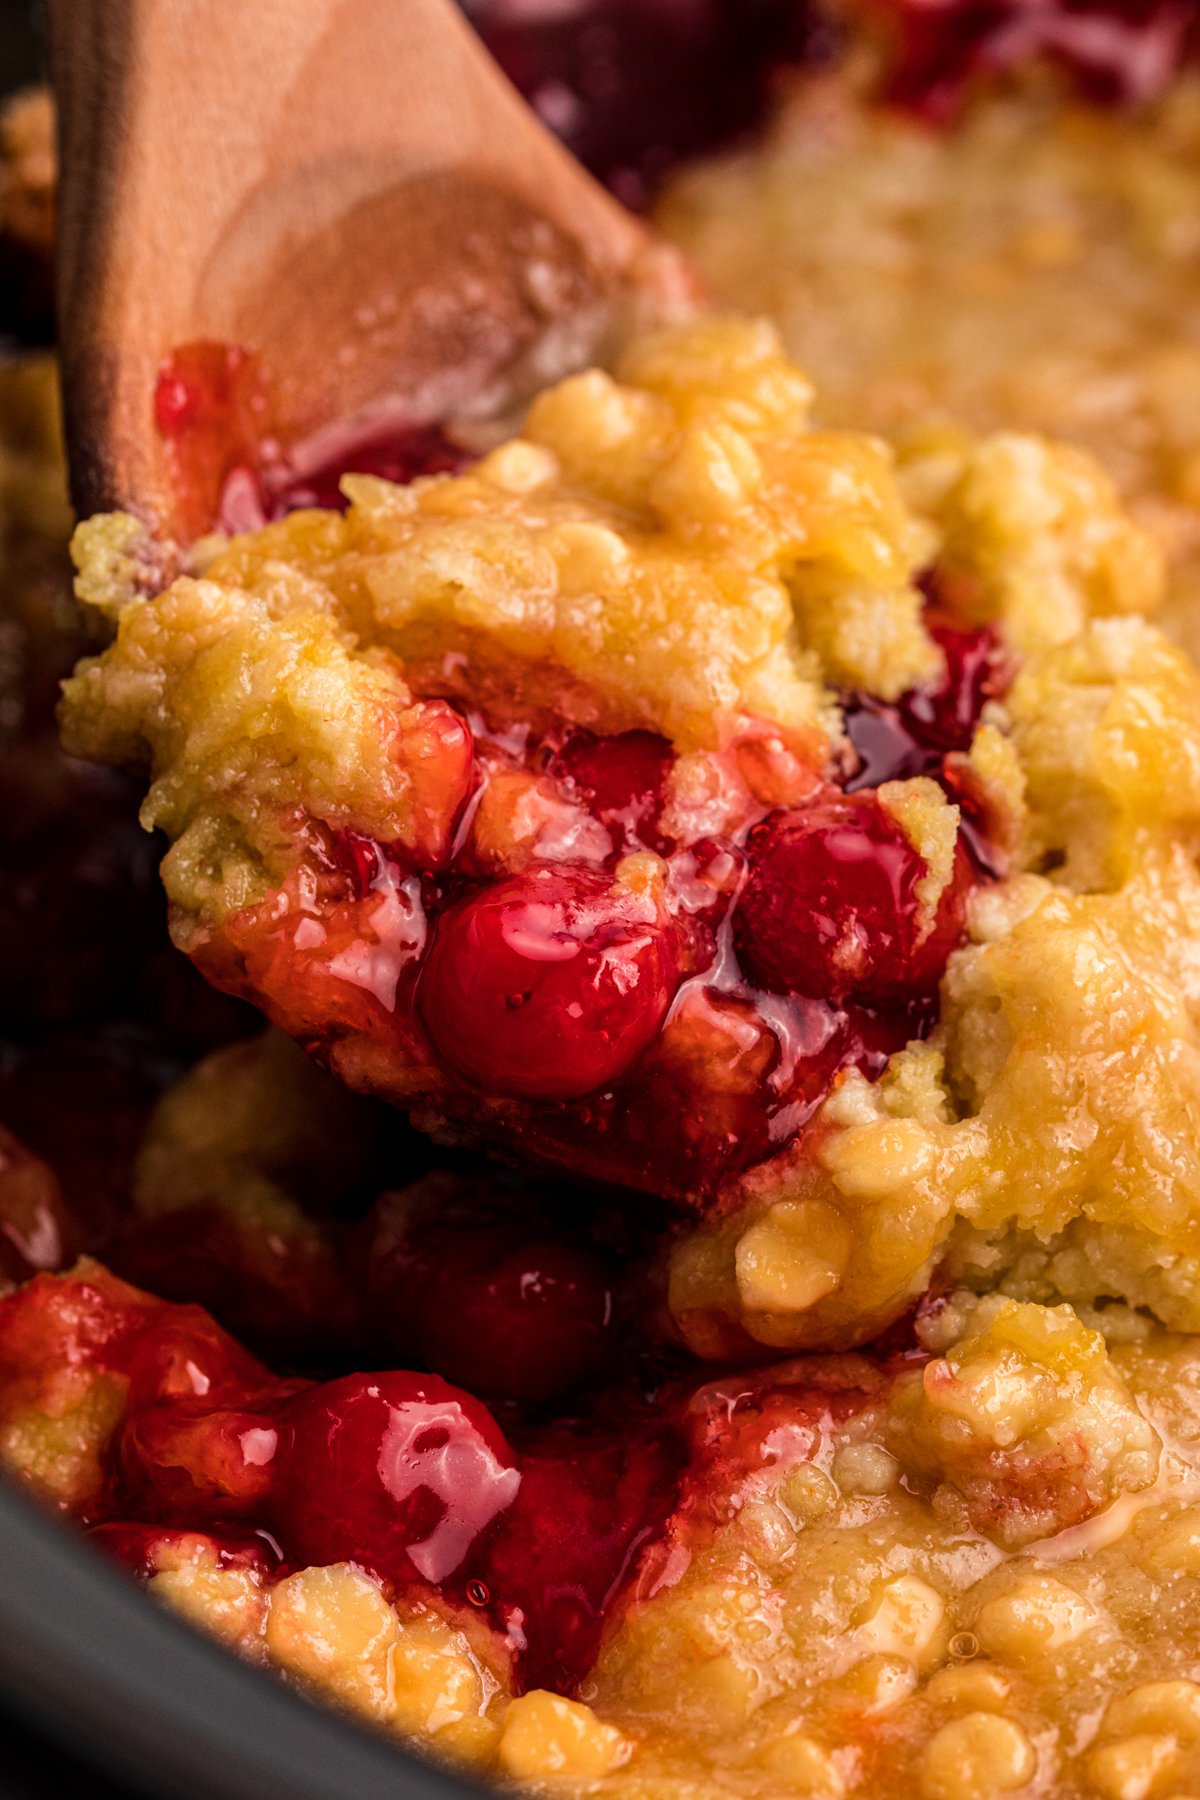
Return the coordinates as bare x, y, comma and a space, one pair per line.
348, 187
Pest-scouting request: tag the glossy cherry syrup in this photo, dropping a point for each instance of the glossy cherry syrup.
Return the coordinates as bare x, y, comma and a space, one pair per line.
832, 907
912, 736
621, 779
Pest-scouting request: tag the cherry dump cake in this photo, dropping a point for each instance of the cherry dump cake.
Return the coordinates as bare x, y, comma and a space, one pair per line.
552, 904
696, 1291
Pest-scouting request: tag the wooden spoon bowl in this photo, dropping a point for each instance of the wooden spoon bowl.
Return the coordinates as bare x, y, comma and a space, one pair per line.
347, 190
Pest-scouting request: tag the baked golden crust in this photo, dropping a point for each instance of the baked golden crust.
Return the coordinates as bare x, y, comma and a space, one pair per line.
1029, 267
675, 550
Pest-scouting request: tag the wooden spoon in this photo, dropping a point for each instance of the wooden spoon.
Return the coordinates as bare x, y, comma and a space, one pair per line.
348, 189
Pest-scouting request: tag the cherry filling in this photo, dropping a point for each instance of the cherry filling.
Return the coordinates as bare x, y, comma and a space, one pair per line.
548, 986
621, 779
543, 1533
912, 736
233, 466
402, 1473
832, 907
660, 1022
413, 1479
502, 1307
575, 976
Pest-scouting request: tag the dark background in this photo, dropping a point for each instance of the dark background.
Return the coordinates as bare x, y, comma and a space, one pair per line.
20, 43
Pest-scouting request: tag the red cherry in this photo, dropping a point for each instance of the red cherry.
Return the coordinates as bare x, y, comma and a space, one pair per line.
502, 1312
831, 907
622, 778
547, 986
402, 1473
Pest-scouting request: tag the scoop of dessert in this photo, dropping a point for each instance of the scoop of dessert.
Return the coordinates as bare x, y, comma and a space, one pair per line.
717, 807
